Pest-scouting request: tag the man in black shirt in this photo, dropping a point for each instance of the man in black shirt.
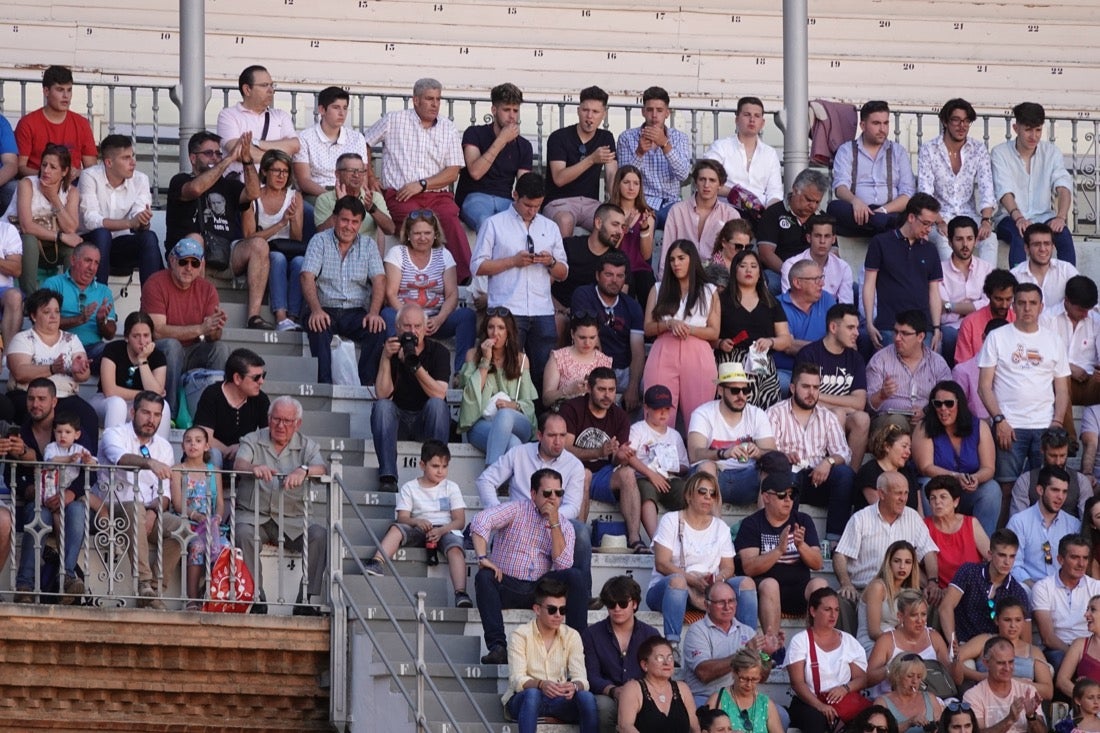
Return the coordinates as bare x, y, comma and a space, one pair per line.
235, 407
412, 392
780, 234
583, 253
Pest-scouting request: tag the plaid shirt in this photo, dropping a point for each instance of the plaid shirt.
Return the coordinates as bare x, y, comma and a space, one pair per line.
662, 172
343, 282
522, 546
822, 436
413, 151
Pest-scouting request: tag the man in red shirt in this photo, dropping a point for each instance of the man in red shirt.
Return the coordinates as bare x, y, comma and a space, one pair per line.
55, 123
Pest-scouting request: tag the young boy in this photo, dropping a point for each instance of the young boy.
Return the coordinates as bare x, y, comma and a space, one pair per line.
664, 454
430, 513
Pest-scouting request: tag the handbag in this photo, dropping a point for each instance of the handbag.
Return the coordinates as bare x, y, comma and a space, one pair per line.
289, 248
243, 586
937, 681
849, 706
216, 249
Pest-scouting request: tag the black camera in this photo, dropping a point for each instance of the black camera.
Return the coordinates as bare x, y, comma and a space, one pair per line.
409, 342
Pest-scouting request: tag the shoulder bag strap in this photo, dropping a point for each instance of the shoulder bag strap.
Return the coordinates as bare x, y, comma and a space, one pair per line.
813, 662
267, 124
855, 165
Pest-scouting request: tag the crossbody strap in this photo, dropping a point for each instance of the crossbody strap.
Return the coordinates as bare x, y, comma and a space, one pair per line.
267, 124
813, 662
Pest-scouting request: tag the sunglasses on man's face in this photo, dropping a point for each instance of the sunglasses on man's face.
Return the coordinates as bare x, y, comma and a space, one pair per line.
258, 377
554, 610
618, 604
547, 493
739, 390
192, 262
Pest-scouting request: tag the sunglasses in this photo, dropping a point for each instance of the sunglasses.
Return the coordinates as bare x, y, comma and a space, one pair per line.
582, 149
739, 390
192, 262
663, 658
144, 451
706, 491
943, 403
956, 706
257, 377
547, 493
992, 605
618, 604
499, 312
737, 247
425, 214
1047, 557
783, 495
868, 728
746, 722
554, 610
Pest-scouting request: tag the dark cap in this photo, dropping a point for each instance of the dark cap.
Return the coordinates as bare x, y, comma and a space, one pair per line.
776, 482
658, 396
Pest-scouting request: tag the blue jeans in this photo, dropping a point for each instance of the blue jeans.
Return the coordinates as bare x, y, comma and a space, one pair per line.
140, 248
477, 207
528, 705
348, 323
1025, 449
739, 485
846, 220
774, 281
1063, 243
662, 215
461, 325
493, 597
75, 514
537, 337
673, 602
284, 283
389, 424
508, 429
835, 493
180, 358
947, 344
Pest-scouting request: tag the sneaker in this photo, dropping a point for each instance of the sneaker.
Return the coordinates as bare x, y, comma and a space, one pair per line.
496, 655
374, 567
74, 589
148, 598
287, 325
462, 600
24, 595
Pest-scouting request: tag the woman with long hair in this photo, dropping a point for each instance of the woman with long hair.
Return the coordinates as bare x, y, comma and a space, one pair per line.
1090, 527
753, 322
1083, 657
878, 605
47, 208
683, 315
1029, 664
130, 366
637, 241
498, 397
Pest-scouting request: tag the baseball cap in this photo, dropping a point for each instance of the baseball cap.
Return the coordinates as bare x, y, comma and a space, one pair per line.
658, 396
187, 247
777, 482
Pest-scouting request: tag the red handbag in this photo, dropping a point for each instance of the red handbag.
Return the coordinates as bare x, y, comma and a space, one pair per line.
849, 706
219, 585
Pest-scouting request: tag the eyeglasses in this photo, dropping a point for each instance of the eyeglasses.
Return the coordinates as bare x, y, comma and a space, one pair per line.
784, 495
899, 332
706, 491
723, 602
425, 214
498, 312
738, 390
210, 153
530, 245
955, 706
816, 279
279, 171
265, 85
943, 403
1047, 557
282, 420
663, 658
257, 377
547, 493
554, 610
582, 149
192, 262
352, 171
618, 604
746, 722
959, 121
926, 224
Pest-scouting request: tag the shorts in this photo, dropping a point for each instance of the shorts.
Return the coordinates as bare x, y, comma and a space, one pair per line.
672, 500
582, 208
792, 598
600, 487
416, 537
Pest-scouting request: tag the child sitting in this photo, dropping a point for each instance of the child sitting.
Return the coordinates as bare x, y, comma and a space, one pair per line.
197, 495
430, 513
662, 451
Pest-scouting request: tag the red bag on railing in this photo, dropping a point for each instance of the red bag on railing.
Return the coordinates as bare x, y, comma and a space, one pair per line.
218, 587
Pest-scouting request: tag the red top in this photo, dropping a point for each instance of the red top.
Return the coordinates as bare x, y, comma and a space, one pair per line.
955, 548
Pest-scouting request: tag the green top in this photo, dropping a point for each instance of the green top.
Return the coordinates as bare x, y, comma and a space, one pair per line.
757, 713
520, 390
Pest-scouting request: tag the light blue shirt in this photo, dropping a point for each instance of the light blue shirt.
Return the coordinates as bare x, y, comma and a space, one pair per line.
72, 304
1032, 191
1028, 525
525, 291
871, 187
662, 173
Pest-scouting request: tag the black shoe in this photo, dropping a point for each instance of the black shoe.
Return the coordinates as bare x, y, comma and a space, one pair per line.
259, 609
388, 484
306, 611
496, 655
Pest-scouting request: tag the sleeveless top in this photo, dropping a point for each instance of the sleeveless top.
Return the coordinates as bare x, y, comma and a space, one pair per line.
631, 246
966, 460
757, 713
928, 709
955, 548
1089, 666
928, 652
572, 373
41, 208
699, 314
265, 220
422, 286
650, 719
889, 621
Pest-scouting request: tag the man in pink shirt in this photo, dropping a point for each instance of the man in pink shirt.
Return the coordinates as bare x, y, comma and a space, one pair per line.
700, 218
272, 129
961, 289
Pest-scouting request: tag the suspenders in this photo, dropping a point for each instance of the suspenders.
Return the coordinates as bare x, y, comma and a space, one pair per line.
889, 170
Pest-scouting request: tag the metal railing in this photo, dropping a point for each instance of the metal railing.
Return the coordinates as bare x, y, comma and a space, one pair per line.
111, 511
139, 110
346, 611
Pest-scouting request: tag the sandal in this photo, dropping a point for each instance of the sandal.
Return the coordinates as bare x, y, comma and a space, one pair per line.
257, 322
640, 548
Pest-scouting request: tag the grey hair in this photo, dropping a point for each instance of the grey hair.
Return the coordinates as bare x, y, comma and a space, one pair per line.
900, 665
410, 307
811, 177
82, 246
799, 269
286, 400
424, 85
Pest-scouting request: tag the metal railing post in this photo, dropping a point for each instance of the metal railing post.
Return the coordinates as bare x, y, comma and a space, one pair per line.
420, 622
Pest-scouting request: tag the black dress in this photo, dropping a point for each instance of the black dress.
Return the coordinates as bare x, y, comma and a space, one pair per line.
650, 719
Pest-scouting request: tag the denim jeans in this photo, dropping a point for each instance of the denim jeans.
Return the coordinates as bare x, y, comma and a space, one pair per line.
493, 597
180, 358
1063, 243
284, 284
950, 337
528, 705
140, 248
537, 337
75, 514
477, 207
739, 485
347, 323
389, 424
835, 493
1024, 450
461, 325
846, 221
506, 430
673, 602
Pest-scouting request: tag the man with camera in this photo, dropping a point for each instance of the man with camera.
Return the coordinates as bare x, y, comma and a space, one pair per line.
413, 374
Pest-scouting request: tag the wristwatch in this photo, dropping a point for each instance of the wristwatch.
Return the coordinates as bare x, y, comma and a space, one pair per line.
831, 460
423, 185
304, 467
947, 306
998, 419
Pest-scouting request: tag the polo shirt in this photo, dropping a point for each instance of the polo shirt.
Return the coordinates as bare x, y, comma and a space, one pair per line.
704, 640
72, 304
904, 272
804, 326
1066, 605
778, 226
973, 614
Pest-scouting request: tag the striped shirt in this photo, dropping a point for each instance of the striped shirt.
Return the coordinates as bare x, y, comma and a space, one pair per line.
868, 534
316, 149
913, 386
662, 172
522, 546
343, 282
423, 287
822, 436
411, 151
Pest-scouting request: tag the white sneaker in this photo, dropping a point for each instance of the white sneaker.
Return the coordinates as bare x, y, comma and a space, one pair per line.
287, 325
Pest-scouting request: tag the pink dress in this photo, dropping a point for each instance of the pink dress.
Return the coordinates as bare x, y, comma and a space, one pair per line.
572, 374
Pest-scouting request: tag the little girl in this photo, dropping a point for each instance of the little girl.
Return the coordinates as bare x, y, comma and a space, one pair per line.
1086, 699
197, 494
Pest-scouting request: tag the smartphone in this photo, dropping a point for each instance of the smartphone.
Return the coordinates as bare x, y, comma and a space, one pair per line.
14, 431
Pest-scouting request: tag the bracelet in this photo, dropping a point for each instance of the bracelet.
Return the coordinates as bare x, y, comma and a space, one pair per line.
483, 364
555, 526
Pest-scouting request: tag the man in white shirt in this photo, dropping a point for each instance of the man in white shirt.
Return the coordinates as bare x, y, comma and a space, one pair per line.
1040, 267
961, 289
1078, 324
821, 236
115, 201
1059, 602
137, 445
521, 252
1025, 171
750, 163
272, 129
1020, 365
320, 146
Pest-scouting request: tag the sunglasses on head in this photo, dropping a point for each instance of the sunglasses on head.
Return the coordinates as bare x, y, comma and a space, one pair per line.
547, 493
425, 214
1048, 558
192, 262
554, 610
499, 312
956, 706
943, 403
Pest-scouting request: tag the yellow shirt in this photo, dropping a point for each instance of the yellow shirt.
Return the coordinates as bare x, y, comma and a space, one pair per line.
528, 658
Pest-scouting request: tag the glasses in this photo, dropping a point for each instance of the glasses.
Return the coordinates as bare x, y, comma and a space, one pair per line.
192, 262
739, 390
736, 246
582, 149
706, 491
964, 121
554, 610
1056, 434
907, 334
498, 312
530, 245
746, 722
547, 493
282, 420
816, 279
957, 707
723, 602
992, 605
663, 658
943, 403
279, 171
1047, 557
210, 153
257, 377
784, 495
265, 85
926, 224
352, 171
868, 728
618, 604
425, 214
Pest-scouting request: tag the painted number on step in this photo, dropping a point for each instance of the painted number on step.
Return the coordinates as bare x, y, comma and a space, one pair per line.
474, 672
409, 461
305, 390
